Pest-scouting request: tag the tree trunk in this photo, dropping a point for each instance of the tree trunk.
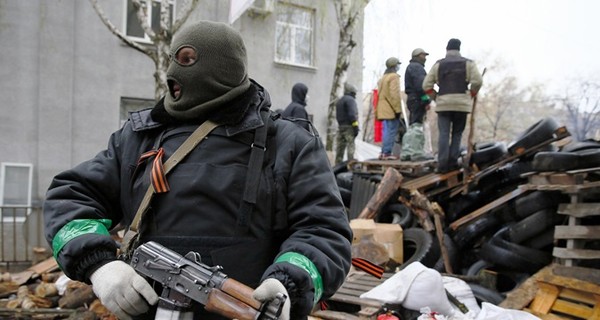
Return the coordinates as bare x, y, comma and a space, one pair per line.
347, 12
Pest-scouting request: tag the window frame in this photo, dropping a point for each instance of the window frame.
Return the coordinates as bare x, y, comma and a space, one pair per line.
27, 205
294, 27
146, 38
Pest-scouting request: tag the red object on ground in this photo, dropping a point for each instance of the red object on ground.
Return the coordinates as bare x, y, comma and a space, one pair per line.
378, 125
387, 316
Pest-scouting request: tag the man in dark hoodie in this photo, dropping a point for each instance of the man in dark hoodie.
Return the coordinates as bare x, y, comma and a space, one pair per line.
346, 114
297, 108
256, 195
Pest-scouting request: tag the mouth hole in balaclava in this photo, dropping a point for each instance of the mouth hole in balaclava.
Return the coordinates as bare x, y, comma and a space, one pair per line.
174, 89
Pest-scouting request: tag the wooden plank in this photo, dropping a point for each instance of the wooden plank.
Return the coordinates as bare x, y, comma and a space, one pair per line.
577, 295
571, 308
475, 214
352, 299
389, 184
563, 188
570, 283
596, 311
429, 180
579, 210
580, 273
577, 232
350, 292
522, 296
584, 170
566, 253
545, 298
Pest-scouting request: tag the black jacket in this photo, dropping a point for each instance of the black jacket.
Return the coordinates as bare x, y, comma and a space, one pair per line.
297, 108
346, 111
413, 78
299, 208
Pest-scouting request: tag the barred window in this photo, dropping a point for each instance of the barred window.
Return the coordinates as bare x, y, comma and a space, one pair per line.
133, 27
294, 35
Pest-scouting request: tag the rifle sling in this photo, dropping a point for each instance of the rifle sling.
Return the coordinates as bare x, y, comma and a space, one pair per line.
255, 164
186, 147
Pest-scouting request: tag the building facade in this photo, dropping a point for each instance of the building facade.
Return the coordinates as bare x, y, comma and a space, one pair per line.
68, 82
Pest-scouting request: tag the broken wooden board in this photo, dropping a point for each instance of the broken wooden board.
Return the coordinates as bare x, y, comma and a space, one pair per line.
45, 266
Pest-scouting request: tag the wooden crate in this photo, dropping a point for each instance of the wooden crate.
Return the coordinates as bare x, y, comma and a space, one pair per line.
561, 297
575, 234
558, 292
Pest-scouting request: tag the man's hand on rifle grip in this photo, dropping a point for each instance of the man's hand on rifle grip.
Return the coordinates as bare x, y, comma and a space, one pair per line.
268, 290
120, 289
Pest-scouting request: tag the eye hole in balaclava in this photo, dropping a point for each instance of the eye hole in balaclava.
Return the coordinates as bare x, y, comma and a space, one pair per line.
186, 56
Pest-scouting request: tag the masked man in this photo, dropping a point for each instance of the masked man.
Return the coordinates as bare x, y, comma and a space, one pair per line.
276, 224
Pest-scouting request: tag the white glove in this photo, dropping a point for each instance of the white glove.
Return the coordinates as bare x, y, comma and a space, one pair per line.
120, 289
268, 290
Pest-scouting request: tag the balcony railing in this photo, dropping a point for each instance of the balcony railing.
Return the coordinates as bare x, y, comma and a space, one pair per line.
21, 235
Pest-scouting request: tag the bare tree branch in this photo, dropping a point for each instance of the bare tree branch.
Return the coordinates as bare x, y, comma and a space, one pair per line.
186, 14
347, 13
116, 31
161, 40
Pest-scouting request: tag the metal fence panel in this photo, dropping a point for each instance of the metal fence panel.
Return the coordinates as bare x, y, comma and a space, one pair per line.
21, 234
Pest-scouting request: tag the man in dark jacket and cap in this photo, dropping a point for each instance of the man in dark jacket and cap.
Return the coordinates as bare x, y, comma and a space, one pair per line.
346, 114
256, 195
297, 108
413, 142
414, 75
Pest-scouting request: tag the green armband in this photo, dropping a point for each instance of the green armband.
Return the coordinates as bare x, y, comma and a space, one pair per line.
304, 263
355, 124
76, 228
425, 98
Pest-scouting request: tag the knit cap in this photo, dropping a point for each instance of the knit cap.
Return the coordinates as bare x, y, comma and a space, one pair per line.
453, 44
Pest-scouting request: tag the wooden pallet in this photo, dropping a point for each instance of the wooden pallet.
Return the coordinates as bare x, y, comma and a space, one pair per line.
575, 234
561, 297
349, 293
572, 181
433, 183
409, 168
558, 292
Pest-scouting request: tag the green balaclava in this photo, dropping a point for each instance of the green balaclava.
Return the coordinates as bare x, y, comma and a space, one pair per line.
216, 74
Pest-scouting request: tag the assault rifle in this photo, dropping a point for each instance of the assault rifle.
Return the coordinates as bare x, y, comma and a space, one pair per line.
187, 279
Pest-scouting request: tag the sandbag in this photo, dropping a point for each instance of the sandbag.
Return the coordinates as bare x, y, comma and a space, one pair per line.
413, 143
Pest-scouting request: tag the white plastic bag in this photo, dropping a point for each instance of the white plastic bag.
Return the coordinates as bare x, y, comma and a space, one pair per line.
492, 312
414, 287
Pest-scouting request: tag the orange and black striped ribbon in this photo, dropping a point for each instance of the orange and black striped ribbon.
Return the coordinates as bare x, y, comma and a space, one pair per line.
368, 267
158, 176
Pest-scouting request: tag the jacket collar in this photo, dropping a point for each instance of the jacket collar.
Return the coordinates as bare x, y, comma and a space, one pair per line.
241, 114
453, 53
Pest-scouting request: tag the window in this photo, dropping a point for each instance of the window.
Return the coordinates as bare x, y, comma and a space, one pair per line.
15, 190
133, 27
294, 35
132, 104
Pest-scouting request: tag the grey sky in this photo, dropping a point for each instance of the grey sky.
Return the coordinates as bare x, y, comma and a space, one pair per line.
547, 41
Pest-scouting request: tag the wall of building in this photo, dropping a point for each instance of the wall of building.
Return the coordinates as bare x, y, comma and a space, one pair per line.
63, 75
